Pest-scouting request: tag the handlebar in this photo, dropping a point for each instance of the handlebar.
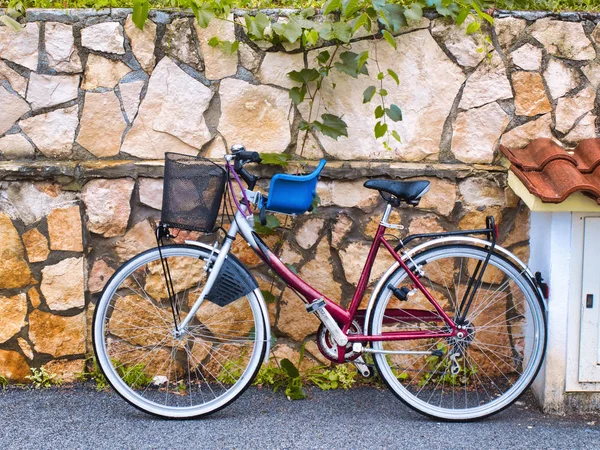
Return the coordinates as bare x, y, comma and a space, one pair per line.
243, 157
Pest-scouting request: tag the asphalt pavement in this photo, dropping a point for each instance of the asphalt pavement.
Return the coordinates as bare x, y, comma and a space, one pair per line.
361, 418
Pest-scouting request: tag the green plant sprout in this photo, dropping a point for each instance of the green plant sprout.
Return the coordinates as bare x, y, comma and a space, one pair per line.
40, 378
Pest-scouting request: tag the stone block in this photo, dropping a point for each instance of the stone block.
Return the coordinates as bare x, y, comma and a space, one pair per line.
65, 230
13, 107
104, 37
62, 284
13, 312
60, 48
57, 335
50, 90
217, 63
102, 72
476, 133
36, 245
14, 271
102, 124
142, 42
256, 116
53, 133
171, 116
107, 206
21, 48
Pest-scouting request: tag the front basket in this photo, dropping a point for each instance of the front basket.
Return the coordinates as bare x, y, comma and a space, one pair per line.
193, 189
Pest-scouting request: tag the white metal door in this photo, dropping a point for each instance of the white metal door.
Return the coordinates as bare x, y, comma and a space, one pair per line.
589, 343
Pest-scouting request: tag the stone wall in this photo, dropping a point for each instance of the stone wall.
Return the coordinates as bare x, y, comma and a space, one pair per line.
90, 104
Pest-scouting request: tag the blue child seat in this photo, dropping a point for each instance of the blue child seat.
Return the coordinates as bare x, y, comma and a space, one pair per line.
293, 194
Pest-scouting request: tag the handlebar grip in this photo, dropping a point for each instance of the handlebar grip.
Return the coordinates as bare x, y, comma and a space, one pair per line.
248, 156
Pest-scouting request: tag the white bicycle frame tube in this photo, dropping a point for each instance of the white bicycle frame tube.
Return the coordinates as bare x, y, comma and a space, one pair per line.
240, 225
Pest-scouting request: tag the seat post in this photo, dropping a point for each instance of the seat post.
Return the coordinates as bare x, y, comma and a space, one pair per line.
386, 214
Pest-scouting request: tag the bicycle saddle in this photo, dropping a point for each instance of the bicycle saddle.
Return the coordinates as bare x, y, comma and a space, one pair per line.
405, 191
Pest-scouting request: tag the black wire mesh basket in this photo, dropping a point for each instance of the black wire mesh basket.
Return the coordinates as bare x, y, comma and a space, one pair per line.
193, 189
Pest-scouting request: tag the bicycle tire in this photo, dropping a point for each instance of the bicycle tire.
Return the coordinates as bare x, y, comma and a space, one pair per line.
496, 356
224, 348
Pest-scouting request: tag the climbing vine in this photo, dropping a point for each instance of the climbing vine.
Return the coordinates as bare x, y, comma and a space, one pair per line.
333, 30
338, 24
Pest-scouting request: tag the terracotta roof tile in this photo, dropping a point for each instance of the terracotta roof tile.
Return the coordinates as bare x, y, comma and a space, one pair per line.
537, 154
552, 173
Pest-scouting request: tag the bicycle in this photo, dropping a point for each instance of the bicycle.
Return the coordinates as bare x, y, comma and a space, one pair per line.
456, 327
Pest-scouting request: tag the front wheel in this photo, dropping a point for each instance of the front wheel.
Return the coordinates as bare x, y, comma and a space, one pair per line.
160, 371
490, 366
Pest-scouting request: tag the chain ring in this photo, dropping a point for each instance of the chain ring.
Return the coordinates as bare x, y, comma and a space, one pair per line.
328, 347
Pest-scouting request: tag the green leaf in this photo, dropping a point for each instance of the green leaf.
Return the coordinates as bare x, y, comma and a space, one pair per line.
268, 296
308, 12
380, 76
349, 65
349, 8
396, 136
291, 31
297, 94
204, 12
487, 17
388, 37
304, 76
289, 368
214, 41
11, 23
230, 47
269, 228
362, 21
326, 31
394, 76
379, 112
140, 13
311, 37
304, 125
383, 92
323, 57
462, 16
256, 25
473, 27
394, 113
342, 31
330, 6
368, 94
414, 13
362, 59
380, 129
332, 126
275, 159
393, 16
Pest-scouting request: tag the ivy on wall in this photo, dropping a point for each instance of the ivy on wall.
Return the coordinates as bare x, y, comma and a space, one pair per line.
339, 22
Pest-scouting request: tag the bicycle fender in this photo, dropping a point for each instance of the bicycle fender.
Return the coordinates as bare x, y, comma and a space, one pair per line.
237, 269
383, 281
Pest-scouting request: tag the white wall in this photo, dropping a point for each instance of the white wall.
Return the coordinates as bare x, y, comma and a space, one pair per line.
550, 241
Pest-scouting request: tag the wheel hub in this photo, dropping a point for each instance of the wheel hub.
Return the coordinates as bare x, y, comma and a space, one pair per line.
465, 333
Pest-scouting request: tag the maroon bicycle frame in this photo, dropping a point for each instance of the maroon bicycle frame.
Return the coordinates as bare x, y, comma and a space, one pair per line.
344, 317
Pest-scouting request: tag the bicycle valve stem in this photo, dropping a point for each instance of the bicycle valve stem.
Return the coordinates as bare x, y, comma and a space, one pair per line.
318, 307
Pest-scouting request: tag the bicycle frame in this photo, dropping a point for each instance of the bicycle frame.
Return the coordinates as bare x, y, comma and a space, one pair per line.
243, 225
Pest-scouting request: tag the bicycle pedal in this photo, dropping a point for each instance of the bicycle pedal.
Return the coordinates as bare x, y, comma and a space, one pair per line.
438, 353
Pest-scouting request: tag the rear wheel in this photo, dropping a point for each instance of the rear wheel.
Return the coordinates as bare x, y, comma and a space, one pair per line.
501, 348
153, 367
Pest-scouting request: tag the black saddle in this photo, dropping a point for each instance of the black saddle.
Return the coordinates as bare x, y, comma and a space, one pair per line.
403, 191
